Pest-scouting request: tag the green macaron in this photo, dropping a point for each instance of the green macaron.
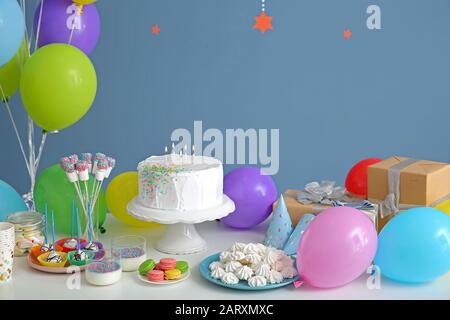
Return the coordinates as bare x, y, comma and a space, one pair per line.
183, 266
146, 266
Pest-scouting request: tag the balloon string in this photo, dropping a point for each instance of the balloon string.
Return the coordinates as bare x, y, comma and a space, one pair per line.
39, 25
5, 101
41, 149
27, 36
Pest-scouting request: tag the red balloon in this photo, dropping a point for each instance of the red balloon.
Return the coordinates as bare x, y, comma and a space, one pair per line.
356, 181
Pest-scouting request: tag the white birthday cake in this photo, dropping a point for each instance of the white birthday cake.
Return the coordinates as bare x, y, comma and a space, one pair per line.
180, 182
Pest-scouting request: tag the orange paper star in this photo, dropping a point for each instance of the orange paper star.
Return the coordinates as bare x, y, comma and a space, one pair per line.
347, 34
263, 22
155, 29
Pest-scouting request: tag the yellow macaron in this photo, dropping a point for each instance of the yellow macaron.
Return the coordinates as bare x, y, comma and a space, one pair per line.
172, 274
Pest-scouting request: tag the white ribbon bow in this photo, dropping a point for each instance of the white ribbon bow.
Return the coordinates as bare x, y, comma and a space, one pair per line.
324, 192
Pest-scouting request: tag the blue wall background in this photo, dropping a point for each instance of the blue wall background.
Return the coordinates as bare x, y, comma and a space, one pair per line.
335, 101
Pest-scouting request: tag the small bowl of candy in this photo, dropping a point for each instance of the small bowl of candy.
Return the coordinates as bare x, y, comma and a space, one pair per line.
95, 247
80, 258
130, 251
53, 259
38, 250
103, 273
69, 244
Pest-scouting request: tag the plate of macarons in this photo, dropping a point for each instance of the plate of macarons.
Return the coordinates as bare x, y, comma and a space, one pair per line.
166, 271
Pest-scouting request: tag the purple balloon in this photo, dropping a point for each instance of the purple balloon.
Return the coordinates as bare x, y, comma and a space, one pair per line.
253, 194
58, 19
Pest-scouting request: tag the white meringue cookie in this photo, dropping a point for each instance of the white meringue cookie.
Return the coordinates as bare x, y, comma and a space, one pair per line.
217, 273
263, 269
275, 277
289, 272
257, 281
261, 249
253, 258
238, 246
271, 256
250, 248
237, 255
232, 266
230, 278
244, 273
215, 264
225, 256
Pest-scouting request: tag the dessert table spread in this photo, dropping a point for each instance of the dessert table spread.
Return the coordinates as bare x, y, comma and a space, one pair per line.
28, 283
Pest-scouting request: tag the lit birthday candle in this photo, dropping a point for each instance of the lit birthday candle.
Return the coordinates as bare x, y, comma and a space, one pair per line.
53, 231
46, 224
78, 231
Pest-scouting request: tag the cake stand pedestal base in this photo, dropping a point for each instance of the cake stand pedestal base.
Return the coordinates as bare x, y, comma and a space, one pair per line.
180, 237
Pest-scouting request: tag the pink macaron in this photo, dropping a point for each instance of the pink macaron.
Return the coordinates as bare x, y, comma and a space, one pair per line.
155, 275
167, 264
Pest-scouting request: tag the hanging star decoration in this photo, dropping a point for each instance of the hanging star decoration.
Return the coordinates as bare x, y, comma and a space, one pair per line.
155, 29
347, 34
263, 22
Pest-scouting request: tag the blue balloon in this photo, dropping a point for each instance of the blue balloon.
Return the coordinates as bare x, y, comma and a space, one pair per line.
414, 247
10, 200
12, 29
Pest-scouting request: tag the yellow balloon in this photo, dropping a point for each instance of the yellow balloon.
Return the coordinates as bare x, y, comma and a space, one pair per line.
84, 1
122, 189
444, 207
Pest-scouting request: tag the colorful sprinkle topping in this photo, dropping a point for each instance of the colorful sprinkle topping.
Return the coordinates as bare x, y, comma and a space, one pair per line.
103, 267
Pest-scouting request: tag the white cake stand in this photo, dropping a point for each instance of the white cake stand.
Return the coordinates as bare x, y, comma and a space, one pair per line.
180, 237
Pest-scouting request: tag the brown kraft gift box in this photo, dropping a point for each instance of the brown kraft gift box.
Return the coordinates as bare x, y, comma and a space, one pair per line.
297, 210
421, 182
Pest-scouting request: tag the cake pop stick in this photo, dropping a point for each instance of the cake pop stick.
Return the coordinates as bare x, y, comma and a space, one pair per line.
68, 165
90, 223
83, 175
72, 233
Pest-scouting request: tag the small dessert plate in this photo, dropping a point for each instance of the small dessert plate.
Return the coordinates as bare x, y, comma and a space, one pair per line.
67, 269
241, 285
184, 276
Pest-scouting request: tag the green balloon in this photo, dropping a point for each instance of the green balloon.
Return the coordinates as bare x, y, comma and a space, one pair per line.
54, 189
58, 86
10, 72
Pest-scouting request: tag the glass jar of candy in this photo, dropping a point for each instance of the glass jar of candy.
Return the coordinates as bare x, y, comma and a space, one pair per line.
29, 231
130, 251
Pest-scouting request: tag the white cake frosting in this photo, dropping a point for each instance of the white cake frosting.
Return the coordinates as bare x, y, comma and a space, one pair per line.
180, 182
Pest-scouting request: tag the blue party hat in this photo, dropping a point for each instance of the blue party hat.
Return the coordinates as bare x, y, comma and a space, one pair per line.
280, 227
291, 245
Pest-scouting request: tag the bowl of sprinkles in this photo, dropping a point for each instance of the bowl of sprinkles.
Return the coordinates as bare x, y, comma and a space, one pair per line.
103, 273
130, 251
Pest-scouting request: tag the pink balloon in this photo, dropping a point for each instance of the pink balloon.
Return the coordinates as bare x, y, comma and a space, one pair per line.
336, 248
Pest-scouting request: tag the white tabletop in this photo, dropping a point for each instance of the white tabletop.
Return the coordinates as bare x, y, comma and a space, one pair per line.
31, 284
